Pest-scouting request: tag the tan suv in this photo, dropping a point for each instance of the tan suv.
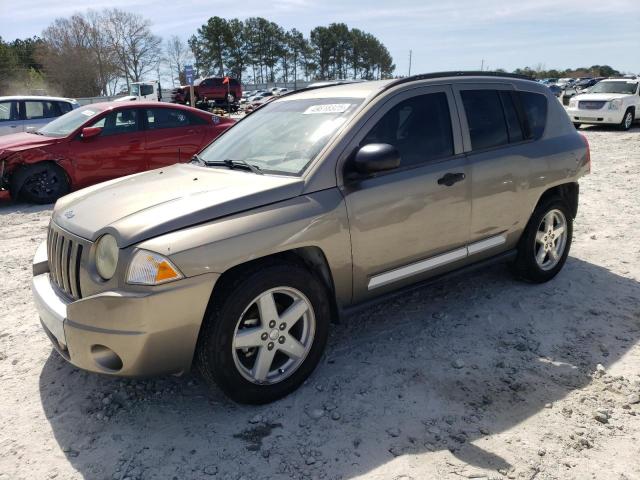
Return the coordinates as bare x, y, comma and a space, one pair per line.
319, 201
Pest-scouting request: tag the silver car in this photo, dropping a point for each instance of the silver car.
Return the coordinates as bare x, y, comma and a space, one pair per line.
22, 113
320, 201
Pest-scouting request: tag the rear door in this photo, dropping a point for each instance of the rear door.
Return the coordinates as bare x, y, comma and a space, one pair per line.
172, 135
409, 223
37, 113
119, 149
9, 117
500, 146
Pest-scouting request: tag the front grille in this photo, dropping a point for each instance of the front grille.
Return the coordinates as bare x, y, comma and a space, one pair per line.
590, 105
64, 262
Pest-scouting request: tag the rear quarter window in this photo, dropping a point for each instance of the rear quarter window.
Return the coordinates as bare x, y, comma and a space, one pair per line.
535, 109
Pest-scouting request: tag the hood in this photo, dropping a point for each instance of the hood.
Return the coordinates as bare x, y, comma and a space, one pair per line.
149, 204
600, 96
17, 142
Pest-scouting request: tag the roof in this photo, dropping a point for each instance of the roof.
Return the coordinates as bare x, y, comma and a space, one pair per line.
344, 90
368, 88
139, 104
37, 97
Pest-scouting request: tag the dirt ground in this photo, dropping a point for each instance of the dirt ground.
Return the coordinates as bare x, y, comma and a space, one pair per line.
477, 377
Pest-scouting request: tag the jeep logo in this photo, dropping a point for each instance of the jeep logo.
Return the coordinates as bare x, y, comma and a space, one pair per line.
69, 214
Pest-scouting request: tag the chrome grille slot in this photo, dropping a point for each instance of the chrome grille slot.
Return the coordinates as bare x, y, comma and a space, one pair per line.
591, 104
64, 254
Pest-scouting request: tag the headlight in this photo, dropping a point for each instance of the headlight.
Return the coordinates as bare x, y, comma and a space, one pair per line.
107, 256
573, 103
149, 268
615, 104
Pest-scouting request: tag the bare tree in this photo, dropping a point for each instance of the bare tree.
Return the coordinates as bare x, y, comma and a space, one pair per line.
137, 48
67, 58
177, 54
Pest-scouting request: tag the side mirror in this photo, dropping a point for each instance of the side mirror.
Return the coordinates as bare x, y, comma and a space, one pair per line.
90, 132
377, 157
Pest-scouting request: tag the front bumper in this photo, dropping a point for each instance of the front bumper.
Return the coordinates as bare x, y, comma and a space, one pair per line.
124, 333
595, 117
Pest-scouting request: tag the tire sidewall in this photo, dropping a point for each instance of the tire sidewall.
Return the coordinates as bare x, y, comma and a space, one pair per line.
623, 125
215, 350
526, 265
26, 173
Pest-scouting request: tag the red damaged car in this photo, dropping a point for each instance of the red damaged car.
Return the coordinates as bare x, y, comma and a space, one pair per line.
99, 142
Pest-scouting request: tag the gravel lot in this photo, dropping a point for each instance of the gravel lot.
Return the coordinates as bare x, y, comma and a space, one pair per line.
477, 377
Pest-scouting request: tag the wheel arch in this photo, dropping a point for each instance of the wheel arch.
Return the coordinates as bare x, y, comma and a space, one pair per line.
569, 192
19, 174
311, 257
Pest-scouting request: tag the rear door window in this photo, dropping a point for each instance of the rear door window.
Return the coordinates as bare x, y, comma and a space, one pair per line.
535, 109
485, 117
514, 127
419, 127
158, 118
35, 109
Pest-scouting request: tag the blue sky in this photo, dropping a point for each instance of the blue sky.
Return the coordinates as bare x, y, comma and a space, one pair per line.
444, 35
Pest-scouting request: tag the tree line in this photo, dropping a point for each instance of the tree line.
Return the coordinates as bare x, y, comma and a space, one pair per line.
539, 72
98, 52
84, 55
257, 50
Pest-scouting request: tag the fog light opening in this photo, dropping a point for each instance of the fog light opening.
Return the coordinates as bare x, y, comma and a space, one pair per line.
106, 358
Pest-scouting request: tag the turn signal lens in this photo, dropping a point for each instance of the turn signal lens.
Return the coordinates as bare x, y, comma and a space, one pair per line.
149, 268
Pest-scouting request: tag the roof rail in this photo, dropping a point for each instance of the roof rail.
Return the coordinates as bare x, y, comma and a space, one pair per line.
470, 73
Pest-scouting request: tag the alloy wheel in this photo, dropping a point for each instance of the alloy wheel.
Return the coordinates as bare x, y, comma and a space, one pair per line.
551, 239
273, 335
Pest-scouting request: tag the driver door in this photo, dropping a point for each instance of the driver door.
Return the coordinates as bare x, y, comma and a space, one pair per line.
406, 224
119, 149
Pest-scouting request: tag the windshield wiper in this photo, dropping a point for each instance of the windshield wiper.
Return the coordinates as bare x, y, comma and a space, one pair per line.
233, 164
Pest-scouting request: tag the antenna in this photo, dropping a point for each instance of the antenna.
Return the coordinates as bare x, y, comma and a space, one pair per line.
410, 55
482, 66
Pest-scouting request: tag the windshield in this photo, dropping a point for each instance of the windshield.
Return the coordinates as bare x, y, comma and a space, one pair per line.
69, 122
284, 136
628, 88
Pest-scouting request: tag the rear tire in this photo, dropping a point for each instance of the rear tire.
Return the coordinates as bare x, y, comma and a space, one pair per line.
41, 183
627, 120
545, 243
250, 319
577, 125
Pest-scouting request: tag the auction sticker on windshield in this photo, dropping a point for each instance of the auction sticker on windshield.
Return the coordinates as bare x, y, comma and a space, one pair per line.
328, 108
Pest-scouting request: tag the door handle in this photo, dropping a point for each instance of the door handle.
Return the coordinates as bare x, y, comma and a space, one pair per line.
450, 178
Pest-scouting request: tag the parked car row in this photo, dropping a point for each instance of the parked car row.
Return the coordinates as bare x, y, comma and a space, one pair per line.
100, 142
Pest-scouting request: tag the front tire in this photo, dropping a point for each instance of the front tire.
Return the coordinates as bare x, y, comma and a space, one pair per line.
627, 120
265, 332
545, 243
41, 183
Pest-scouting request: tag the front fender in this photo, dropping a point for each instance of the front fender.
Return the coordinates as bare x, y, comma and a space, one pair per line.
314, 220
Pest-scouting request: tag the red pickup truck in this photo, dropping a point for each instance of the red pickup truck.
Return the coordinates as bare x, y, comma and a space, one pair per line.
212, 89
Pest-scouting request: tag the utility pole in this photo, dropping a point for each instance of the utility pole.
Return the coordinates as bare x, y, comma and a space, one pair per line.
410, 55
